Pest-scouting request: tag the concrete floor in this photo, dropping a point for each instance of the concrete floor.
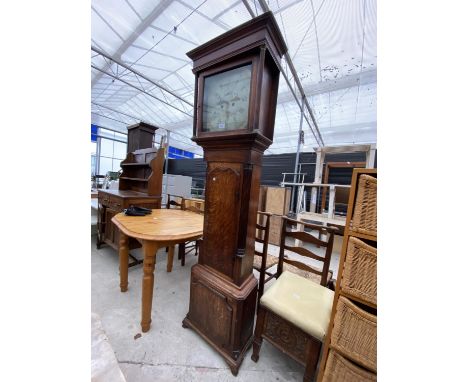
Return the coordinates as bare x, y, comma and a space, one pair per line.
169, 352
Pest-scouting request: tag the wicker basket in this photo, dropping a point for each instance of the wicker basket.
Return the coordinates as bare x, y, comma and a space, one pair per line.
365, 210
339, 369
360, 271
355, 334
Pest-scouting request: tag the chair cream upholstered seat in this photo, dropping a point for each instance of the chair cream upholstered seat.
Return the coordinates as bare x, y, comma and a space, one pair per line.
302, 302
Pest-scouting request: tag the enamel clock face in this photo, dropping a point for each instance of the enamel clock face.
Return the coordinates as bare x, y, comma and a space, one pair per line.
226, 100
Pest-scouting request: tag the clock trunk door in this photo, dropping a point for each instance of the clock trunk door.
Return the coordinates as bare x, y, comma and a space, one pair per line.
221, 216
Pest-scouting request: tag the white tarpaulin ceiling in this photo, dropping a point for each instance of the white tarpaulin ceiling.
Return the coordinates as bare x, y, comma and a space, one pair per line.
140, 70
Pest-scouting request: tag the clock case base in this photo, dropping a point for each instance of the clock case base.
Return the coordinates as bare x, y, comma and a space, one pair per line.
225, 319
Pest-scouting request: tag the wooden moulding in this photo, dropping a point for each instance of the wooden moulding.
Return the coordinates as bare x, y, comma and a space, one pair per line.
360, 271
355, 334
339, 369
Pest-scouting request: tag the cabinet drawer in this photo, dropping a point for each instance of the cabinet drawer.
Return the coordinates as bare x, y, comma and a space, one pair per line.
354, 334
360, 271
103, 198
116, 203
339, 369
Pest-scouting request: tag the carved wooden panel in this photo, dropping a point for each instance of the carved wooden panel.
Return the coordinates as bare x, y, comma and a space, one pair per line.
221, 216
214, 316
286, 336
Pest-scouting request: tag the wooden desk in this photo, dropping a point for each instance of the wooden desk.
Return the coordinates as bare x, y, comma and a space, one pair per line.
162, 228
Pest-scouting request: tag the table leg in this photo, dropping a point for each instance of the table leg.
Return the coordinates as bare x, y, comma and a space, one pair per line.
123, 257
149, 251
170, 259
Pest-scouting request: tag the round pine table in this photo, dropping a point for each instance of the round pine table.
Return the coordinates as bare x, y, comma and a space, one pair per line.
161, 228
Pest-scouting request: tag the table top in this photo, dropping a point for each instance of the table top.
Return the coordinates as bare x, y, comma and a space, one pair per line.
161, 225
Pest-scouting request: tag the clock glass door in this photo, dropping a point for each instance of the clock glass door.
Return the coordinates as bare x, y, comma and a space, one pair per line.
226, 100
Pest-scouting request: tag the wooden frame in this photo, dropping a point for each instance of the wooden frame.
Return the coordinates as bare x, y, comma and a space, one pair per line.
330, 165
240, 62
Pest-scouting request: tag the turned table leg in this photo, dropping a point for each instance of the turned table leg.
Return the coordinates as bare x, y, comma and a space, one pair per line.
170, 259
123, 257
149, 250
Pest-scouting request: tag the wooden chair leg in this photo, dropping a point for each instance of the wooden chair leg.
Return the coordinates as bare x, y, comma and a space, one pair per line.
170, 259
182, 253
313, 354
257, 342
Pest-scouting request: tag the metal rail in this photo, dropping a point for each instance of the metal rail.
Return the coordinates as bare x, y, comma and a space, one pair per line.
129, 68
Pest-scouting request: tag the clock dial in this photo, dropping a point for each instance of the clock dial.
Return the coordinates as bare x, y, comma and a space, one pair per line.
226, 100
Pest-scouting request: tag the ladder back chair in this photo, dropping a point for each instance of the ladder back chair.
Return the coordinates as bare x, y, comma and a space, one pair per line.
294, 313
263, 261
323, 275
175, 202
197, 206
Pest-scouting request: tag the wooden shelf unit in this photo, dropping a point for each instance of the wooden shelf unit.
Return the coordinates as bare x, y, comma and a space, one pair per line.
353, 364
142, 171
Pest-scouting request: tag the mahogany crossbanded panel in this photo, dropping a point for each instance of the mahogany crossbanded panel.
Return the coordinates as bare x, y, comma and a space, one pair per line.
222, 211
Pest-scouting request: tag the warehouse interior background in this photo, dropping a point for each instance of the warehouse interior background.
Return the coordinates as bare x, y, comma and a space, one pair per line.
52, 97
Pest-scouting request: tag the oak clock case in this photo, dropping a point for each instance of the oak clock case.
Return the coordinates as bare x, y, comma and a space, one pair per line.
236, 88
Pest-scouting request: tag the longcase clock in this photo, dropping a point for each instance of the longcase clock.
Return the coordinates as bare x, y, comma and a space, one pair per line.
236, 89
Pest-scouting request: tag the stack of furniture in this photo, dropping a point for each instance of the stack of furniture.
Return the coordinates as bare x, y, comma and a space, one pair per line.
350, 349
140, 184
